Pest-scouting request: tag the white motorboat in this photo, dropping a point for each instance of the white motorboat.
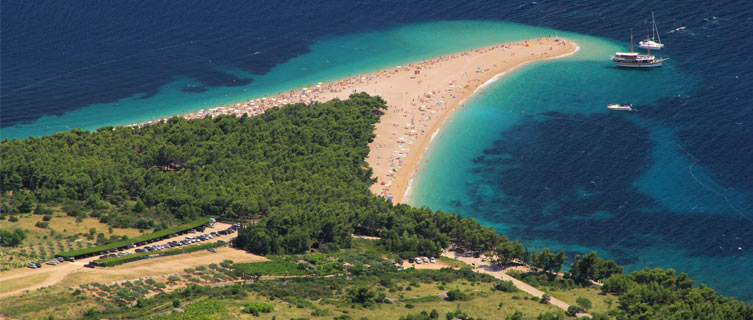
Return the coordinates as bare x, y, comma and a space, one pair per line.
620, 106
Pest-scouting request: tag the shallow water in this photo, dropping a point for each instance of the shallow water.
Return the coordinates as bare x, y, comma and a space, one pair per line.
536, 154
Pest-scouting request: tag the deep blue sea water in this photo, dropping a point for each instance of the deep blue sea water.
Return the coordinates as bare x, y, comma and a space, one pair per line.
535, 154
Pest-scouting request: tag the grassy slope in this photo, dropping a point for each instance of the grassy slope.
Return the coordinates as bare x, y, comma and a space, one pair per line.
64, 227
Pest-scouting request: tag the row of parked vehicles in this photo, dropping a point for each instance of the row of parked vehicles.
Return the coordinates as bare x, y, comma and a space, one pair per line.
175, 243
420, 260
467, 253
50, 262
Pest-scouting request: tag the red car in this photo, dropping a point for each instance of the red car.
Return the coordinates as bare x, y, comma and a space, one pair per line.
459, 250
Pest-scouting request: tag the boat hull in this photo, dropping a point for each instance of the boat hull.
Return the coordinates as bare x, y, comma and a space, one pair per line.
620, 107
637, 65
652, 46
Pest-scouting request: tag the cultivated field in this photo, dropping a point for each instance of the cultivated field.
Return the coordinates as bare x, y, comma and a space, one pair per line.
71, 274
63, 233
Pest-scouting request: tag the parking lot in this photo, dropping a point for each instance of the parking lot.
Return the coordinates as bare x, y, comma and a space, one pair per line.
61, 271
196, 235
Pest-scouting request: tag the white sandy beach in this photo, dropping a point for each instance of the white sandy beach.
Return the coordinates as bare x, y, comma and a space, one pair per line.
420, 97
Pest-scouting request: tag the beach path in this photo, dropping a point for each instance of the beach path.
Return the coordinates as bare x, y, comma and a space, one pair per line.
499, 273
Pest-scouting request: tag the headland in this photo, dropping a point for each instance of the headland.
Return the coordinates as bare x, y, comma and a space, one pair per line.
421, 96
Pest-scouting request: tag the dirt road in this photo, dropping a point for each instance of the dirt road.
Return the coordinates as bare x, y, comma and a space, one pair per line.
499, 273
73, 273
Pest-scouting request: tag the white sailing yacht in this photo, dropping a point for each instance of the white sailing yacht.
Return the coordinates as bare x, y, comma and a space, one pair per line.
653, 43
634, 60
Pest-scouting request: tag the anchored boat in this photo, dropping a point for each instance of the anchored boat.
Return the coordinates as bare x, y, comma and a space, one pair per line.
620, 106
653, 43
635, 60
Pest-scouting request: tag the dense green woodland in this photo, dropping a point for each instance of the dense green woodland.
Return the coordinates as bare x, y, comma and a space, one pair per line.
298, 174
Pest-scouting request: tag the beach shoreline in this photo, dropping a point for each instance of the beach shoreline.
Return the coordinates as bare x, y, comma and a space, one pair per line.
420, 96
414, 169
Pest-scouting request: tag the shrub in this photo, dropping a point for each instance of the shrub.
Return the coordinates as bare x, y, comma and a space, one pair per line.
13, 219
176, 303
573, 310
41, 224
144, 223
515, 316
550, 316
545, 299
47, 217
505, 286
321, 313
457, 295
226, 263
409, 306
362, 296
329, 247
583, 302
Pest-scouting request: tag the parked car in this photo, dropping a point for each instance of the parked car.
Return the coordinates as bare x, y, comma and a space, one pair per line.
411, 260
468, 254
212, 249
459, 250
89, 265
31, 265
432, 260
418, 260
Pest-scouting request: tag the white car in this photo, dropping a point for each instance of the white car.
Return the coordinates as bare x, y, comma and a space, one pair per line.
426, 259
433, 260
418, 260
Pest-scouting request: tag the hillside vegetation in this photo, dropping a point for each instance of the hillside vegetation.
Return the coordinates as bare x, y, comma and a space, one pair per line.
297, 174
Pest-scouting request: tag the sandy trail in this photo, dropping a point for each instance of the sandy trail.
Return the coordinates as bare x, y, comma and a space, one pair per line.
73, 274
499, 273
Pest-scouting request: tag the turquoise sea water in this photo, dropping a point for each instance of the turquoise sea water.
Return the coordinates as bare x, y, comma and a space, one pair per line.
328, 59
536, 154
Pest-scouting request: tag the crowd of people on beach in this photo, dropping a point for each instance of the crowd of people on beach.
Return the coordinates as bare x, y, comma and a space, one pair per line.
415, 117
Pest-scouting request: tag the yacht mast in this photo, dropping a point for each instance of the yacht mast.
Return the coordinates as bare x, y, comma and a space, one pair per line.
655, 30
